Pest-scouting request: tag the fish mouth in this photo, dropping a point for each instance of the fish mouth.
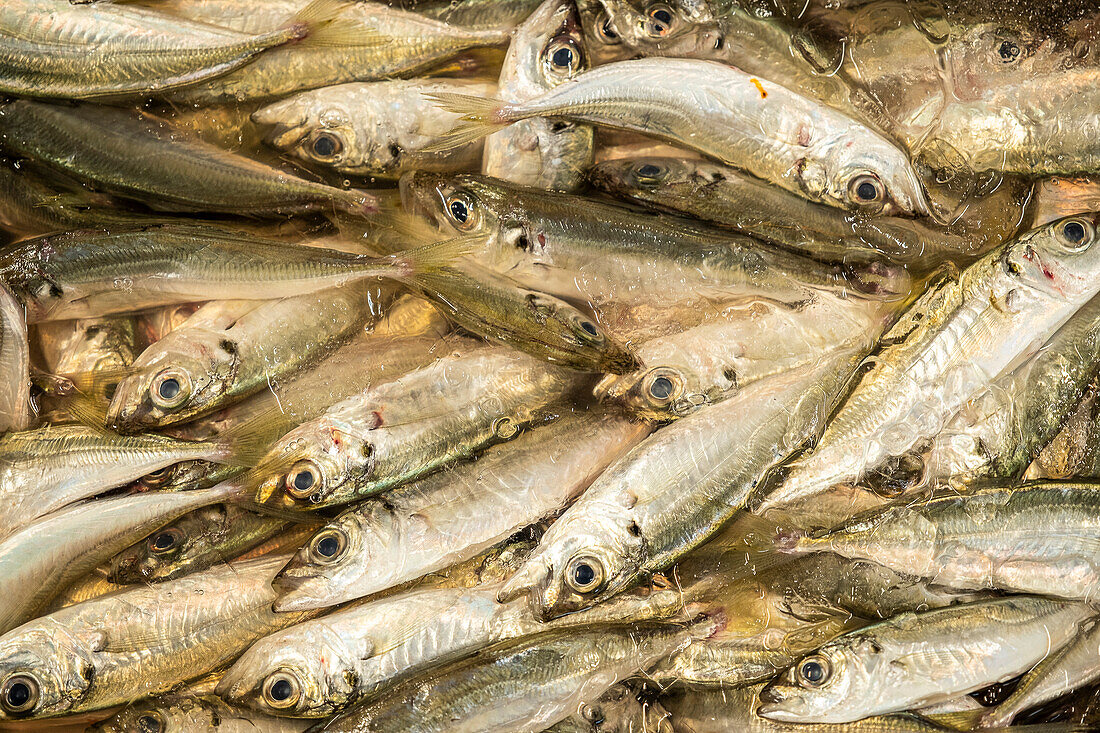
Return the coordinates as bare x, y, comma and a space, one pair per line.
284, 133
293, 596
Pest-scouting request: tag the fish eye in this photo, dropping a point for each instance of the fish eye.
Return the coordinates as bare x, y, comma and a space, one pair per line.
563, 58
19, 694
165, 541
1077, 234
659, 21
281, 690
304, 480
1008, 52
151, 722
170, 388
649, 173
866, 190
158, 478
328, 545
814, 671
662, 386
592, 714
326, 145
587, 330
604, 30
584, 574
461, 209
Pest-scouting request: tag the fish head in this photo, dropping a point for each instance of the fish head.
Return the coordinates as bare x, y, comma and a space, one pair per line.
321, 129
333, 559
547, 49
162, 714
312, 674
646, 175
656, 393
567, 329
825, 686
308, 465
661, 27
154, 557
174, 382
460, 205
1061, 258
44, 671
875, 178
582, 560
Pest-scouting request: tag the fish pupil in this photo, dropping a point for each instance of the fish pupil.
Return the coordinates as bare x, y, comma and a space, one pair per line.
1008, 51
649, 171
303, 480
661, 388
813, 672
562, 57
1074, 232
163, 541
459, 211
663, 16
18, 694
281, 690
169, 389
328, 546
148, 724
584, 574
867, 191
589, 328
324, 145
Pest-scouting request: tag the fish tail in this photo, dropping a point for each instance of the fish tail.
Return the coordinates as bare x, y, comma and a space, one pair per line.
480, 116
245, 444
316, 25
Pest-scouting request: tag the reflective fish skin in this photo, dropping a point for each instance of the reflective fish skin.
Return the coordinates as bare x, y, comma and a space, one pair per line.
754, 124
947, 349
675, 490
1056, 198
216, 362
579, 247
687, 371
385, 43
398, 431
47, 468
139, 158
1029, 539
444, 519
112, 650
92, 274
15, 365
88, 53
182, 712
80, 346
619, 710
1074, 666
500, 309
919, 659
371, 128
79, 538
546, 50
734, 709
353, 653
521, 688
472, 13
193, 543
721, 194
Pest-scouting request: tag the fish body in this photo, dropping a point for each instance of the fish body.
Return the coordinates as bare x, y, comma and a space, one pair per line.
185, 712
15, 365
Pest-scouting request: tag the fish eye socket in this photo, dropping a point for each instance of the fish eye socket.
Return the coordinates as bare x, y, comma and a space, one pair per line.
1077, 234
170, 389
328, 545
866, 190
587, 330
460, 208
165, 541
604, 30
151, 723
649, 172
563, 58
659, 21
814, 671
660, 388
584, 574
1008, 52
158, 478
326, 145
304, 480
19, 694
592, 714
281, 690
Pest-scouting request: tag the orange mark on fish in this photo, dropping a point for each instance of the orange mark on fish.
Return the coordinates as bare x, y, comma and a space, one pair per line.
759, 87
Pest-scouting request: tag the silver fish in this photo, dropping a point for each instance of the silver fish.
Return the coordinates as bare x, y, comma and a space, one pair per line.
15, 364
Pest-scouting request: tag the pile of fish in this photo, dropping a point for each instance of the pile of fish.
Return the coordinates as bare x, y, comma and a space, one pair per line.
649, 366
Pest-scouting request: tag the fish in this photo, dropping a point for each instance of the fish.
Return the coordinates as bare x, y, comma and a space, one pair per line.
378, 42
703, 365
619, 710
945, 350
919, 659
218, 357
141, 158
79, 346
672, 492
371, 128
577, 247
192, 543
16, 410
1035, 538
76, 540
54, 49
723, 195
821, 154
87, 274
112, 650
547, 49
546, 677
472, 13
185, 712
332, 662
442, 519
1056, 198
